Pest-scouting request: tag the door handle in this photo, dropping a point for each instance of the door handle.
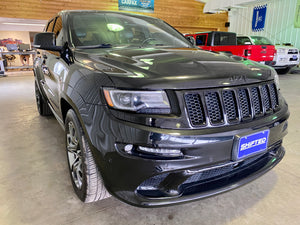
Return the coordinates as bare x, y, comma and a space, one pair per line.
45, 57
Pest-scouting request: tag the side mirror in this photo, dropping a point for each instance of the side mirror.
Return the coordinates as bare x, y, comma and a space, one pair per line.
46, 41
191, 39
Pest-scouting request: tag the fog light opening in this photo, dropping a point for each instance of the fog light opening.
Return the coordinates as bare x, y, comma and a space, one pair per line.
160, 151
128, 148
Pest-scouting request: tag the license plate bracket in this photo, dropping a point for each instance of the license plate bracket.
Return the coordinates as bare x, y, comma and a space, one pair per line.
250, 144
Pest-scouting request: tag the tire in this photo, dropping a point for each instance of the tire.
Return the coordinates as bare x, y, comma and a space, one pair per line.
86, 178
42, 106
284, 70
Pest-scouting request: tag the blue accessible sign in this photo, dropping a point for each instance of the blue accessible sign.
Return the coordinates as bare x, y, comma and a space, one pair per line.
137, 5
259, 18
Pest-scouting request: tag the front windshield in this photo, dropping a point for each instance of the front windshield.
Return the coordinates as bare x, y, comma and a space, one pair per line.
258, 40
120, 30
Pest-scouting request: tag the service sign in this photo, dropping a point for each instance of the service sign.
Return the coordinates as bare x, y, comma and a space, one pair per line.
137, 5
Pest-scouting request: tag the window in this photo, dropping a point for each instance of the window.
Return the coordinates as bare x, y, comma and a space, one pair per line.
50, 26
243, 41
225, 39
118, 30
57, 30
258, 40
200, 39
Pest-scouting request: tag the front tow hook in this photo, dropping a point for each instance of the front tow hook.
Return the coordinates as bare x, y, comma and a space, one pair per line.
170, 186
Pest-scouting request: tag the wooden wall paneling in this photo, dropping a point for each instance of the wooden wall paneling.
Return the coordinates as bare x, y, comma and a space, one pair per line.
185, 15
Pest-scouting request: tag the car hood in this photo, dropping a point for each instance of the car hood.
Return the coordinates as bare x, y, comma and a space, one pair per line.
176, 68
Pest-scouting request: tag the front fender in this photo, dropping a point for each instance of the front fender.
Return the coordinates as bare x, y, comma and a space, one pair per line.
82, 91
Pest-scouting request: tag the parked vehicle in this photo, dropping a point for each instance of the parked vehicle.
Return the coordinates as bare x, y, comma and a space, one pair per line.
287, 57
153, 120
227, 42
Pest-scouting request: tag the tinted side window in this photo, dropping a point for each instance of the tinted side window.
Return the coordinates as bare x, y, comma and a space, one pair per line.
224, 39
200, 40
57, 30
50, 26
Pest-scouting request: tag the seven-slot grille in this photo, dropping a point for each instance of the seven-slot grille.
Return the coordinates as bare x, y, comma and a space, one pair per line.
230, 105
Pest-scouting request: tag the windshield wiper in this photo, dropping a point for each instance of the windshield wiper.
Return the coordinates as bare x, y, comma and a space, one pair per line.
94, 46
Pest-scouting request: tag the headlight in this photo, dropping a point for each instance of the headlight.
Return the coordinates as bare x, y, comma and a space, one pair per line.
152, 102
276, 78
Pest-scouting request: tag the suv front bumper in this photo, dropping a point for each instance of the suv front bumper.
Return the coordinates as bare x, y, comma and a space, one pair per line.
202, 183
206, 168
285, 61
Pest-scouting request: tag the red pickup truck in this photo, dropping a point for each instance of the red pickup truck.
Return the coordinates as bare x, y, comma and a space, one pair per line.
227, 42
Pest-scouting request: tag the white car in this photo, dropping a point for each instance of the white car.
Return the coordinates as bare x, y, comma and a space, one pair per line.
286, 57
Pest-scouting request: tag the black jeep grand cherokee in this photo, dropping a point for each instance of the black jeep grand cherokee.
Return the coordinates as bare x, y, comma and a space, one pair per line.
148, 117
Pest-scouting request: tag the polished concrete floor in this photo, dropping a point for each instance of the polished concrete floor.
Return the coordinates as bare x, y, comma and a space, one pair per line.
35, 187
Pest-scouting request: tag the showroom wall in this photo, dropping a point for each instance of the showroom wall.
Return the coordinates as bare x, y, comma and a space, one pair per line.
20, 35
24, 36
278, 28
185, 15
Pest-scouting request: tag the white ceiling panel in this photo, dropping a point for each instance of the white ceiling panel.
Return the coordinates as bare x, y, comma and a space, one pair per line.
214, 6
16, 24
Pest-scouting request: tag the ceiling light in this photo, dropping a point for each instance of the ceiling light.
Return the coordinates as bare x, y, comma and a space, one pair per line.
24, 24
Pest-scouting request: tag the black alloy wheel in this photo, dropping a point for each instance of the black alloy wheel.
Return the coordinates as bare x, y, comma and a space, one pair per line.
86, 179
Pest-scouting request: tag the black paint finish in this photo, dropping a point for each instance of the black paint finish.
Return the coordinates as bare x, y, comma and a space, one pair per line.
74, 78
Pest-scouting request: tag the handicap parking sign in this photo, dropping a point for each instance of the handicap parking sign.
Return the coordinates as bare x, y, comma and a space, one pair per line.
259, 17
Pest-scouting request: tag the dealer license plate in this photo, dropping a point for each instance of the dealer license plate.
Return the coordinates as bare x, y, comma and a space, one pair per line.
251, 144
